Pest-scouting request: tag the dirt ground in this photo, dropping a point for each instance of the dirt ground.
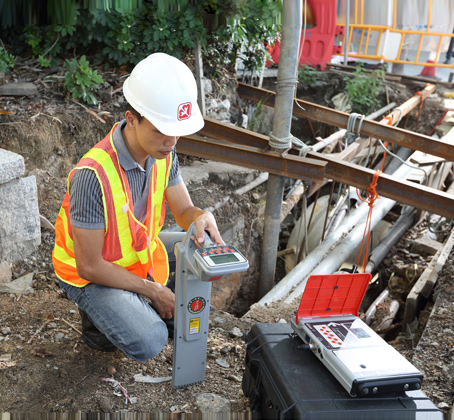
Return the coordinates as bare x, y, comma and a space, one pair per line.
44, 364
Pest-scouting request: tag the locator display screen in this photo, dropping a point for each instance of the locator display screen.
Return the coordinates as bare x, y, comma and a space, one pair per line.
223, 259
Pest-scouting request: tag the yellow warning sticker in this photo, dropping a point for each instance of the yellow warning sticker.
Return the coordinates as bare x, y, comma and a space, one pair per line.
194, 326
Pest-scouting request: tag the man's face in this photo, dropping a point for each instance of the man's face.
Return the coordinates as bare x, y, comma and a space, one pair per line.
152, 141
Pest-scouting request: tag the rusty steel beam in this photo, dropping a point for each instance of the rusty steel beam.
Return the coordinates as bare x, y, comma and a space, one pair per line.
414, 141
232, 134
253, 158
402, 191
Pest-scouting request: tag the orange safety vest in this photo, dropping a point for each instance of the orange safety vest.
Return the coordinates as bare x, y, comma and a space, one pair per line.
127, 242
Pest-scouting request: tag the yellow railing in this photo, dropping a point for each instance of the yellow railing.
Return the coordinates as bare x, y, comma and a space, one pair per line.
382, 31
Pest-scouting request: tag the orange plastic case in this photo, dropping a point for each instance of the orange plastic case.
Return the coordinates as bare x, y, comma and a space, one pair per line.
333, 294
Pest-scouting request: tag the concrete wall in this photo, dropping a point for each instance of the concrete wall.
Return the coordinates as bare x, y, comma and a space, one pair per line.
20, 231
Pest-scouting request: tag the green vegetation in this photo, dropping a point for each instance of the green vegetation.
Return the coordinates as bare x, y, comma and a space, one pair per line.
363, 89
116, 33
82, 81
307, 75
125, 34
6, 60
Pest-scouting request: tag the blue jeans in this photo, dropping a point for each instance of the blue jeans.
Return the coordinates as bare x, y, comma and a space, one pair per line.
126, 318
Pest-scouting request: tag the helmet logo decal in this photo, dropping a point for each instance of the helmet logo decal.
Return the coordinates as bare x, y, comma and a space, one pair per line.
184, 111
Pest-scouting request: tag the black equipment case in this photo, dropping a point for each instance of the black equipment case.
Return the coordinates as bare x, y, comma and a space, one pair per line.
283, 381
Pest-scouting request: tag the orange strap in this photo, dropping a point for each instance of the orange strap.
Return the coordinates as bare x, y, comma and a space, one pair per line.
388, 118
372, 196
384, 157
422, 101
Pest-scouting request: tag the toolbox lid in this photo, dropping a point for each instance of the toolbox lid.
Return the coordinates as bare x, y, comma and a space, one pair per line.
333, 294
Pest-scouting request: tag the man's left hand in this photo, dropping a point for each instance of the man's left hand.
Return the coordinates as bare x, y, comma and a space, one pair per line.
206, 222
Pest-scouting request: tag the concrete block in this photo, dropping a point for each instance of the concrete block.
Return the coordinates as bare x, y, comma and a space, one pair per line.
20, 231
443, 129
11, 166
424, 245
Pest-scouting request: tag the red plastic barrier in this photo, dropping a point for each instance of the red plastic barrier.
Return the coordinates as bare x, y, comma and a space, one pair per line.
318, 44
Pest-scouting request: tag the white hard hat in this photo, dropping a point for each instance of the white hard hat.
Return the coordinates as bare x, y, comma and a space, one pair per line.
162, 89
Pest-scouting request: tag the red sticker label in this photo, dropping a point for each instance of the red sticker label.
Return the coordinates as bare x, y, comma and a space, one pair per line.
184, 111
196, 305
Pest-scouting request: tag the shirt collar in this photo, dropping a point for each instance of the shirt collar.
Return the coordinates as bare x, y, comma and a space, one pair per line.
124, 157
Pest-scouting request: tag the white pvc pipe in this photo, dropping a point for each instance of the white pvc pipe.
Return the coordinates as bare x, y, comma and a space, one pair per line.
370, 313
325, 251
389, 318
342, 251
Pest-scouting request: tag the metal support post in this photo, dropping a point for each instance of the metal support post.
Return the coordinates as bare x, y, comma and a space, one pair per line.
286, 79
199, 77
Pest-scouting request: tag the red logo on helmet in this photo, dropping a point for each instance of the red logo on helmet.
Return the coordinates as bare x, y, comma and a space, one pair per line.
184, 111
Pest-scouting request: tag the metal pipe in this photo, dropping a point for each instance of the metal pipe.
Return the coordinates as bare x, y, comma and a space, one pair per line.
381, 111
337, 219
325, 249
286, 82
399, 228
347, 30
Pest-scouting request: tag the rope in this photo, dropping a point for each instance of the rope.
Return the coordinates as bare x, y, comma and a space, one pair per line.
285, 143
371, 197
350, 136
400, 116
384, 146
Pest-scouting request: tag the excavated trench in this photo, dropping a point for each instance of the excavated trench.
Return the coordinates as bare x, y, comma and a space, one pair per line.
51, 144
52, 134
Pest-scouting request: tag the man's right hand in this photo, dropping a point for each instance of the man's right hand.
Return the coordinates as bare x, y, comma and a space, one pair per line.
163, 301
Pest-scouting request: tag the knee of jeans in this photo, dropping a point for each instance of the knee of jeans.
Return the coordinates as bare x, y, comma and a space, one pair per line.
149, 346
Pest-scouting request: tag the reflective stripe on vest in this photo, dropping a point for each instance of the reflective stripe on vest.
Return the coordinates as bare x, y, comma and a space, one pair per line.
127, 242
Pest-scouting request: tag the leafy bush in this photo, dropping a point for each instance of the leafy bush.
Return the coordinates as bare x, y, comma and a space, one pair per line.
307, 75
363, 89
81, 81
119, 37
6, 60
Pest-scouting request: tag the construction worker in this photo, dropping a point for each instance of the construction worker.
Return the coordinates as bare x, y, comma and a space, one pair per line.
108, 256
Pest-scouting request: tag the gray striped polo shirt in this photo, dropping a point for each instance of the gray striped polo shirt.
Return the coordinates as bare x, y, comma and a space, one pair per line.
87, 210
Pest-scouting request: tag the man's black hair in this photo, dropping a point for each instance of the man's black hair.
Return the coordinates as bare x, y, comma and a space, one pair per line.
135, 113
